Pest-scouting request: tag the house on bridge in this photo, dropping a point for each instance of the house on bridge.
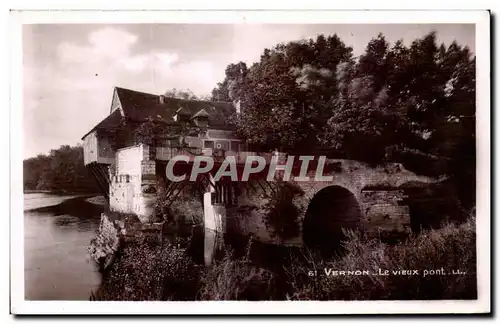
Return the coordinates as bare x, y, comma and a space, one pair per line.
124, 150
128, 151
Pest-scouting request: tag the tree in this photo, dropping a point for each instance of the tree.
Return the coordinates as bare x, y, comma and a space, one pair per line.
154, 130
234, 81
33, 168
411, 104
374, 62
284, 97
454, 135
181, 94
362, 124
62, 170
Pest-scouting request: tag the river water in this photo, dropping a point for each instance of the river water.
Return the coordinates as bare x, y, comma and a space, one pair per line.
57, 232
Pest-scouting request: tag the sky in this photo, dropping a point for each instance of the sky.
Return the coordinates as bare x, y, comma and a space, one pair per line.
70, 70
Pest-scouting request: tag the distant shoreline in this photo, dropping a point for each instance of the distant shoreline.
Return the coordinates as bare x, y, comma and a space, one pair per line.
61, 193
71, 204
92, 197
26, 191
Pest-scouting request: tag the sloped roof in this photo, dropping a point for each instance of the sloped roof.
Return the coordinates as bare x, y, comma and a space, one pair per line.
109, 122
138, 106
182, 111
201, 113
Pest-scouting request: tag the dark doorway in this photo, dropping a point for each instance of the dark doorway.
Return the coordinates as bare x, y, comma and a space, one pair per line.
330, 210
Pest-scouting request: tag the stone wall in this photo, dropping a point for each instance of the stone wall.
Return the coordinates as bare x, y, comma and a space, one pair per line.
106, 243
126, 196
251, 216
128, 160
116, 229
381, 211
385, 211
134, 175
372, 190
381, 208
214, 216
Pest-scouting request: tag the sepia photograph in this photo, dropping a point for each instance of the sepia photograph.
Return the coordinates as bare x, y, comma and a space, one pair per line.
252, 160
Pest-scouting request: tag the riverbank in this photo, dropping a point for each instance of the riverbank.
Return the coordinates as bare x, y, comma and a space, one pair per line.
28, 191
60, 192
36, 200
81, 206
97, 200
436, 264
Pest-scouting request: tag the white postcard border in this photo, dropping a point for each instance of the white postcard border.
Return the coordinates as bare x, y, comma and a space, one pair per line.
480, 18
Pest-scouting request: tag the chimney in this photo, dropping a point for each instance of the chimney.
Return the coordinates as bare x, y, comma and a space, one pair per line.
162, 99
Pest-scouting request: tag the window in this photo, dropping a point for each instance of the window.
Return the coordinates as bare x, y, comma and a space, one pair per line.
222, 145
208, 144
234, 146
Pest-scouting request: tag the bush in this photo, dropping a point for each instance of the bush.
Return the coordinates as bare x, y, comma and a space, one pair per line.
449, 249
148, 272
281, 213
145, 272
186, 208
231, 279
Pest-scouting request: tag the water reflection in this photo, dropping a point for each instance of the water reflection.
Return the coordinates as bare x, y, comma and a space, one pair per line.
57, 265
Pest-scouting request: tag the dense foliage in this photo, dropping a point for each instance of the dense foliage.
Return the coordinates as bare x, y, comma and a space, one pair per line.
166, 272
412, 104
62, 170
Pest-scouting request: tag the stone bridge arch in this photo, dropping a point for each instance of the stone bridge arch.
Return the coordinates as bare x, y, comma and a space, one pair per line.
370, 198
331, 209
375, 191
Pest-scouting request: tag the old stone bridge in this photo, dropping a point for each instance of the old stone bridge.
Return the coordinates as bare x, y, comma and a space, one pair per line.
295, 212
279, 212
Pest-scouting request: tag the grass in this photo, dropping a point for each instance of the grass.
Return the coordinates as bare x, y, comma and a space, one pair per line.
448, 249
232, 279
144, 272
167, 273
